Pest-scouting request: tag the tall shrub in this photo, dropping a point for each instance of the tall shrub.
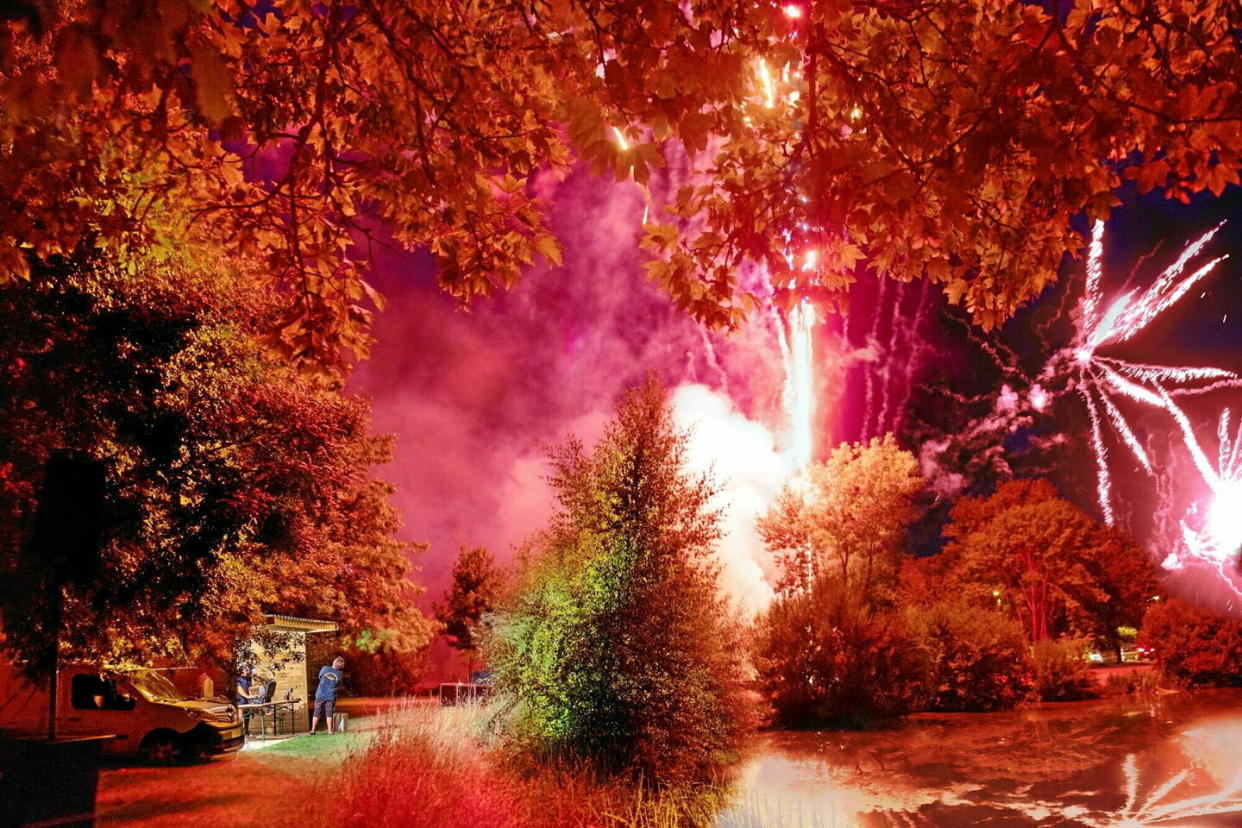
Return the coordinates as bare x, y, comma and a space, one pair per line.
1062, 672
1192, 646
977, 659
826, 656
618, 648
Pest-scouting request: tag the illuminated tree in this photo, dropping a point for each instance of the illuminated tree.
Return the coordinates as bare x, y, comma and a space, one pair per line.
1025, 549
476, 586
618, 647
1126, 579
849, 519
831, 647
933, 139
234, 485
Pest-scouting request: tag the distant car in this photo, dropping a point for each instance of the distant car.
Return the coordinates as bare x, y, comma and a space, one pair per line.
1134, 654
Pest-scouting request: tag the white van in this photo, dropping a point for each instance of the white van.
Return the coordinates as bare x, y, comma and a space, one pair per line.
140, 708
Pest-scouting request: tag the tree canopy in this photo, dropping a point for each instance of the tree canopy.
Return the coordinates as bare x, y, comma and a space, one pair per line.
475, 590
937, 139
233, 484
848, 519
1047, 562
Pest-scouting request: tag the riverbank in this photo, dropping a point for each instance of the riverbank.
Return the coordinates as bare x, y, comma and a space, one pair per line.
1170, 757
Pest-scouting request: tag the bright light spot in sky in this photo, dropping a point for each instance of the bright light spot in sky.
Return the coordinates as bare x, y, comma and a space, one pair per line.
621, 142
1225, 517
1038, 397
793, 11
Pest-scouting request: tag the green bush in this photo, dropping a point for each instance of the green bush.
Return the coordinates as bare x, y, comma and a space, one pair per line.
977, 660
827, 657
617, 648
1194, 647
1062, 673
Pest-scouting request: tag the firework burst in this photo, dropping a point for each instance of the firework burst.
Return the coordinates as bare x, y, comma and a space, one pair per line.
1213, 538
1100, 380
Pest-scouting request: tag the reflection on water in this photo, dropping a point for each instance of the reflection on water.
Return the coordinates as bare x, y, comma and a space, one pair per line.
1175, 761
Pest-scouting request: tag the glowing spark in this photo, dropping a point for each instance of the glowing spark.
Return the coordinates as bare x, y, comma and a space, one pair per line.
793, 11
1217, 541
856, 112
1224, 520
1038, 397
1127, 434
769, 87
1103, 483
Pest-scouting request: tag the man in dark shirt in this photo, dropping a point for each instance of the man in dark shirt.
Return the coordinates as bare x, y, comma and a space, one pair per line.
325, 695
246, 694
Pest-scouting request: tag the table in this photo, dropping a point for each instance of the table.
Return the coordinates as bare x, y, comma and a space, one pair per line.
272, 708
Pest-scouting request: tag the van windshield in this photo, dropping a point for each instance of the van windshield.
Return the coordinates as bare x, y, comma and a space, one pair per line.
153, 686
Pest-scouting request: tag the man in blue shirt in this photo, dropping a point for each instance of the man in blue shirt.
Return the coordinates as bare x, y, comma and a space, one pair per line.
325, 695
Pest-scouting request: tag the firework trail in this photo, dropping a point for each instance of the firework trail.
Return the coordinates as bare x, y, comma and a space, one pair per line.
800, 383
890, 352
1099, 380
1107, 386
914, 352
888, 369
872, 344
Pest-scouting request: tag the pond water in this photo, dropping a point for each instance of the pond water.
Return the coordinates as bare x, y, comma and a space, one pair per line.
1174, 760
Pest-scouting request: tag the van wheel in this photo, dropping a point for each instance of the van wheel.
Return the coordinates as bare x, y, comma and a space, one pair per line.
160, 748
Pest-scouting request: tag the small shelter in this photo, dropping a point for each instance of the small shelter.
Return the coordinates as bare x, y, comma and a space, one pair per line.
289, 651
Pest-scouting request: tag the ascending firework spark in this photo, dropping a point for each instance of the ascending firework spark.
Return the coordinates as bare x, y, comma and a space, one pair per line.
797, 352
1099, 380
800, 383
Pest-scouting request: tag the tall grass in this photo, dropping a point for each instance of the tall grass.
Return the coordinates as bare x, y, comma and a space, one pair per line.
444, 767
